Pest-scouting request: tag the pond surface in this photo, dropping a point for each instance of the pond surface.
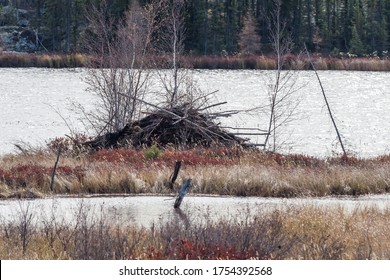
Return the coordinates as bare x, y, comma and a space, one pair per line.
36, 105
146, 210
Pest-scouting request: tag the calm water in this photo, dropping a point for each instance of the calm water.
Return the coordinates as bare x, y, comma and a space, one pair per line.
146, 210
35, 102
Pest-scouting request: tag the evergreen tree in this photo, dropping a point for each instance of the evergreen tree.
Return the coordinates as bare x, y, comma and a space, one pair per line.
249, 38
54, 22
358, 29
216, 25
357, 46
232, 25
376, 26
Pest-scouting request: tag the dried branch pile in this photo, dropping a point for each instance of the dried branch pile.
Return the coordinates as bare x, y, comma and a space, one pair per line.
182, 126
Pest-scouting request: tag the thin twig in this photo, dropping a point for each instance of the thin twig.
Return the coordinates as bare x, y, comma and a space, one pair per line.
213, 105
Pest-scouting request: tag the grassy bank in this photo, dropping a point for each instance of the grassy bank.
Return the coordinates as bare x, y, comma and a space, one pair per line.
292, 62
42, 60
305, 232
207, 62
225, 171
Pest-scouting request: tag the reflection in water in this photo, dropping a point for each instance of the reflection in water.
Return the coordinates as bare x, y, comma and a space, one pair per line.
182, 216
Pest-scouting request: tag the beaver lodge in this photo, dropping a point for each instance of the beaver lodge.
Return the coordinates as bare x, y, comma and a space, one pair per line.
181, 126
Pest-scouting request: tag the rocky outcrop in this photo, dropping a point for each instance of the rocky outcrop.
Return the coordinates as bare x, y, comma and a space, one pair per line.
15, 31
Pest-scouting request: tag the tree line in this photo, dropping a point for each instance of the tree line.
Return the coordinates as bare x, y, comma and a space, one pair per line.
216, 27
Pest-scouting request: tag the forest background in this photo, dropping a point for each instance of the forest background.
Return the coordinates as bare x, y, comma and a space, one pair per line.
221, 27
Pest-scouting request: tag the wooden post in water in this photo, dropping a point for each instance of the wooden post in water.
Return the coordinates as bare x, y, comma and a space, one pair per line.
54, 170
174, 174
182, 193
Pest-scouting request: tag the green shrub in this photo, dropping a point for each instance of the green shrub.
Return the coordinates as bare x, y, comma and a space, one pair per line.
152, 152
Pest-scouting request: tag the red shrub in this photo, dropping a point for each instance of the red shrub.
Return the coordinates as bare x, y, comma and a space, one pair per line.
187, 249
193, 157
168, 157
293, 160
34, 175
25, 175
382, 159
121, 155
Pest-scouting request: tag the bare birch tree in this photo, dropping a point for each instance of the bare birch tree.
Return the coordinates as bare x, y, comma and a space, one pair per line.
119, 74
282, 100
177, 81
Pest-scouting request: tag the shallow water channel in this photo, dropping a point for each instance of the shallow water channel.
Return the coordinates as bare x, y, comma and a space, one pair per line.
146, 210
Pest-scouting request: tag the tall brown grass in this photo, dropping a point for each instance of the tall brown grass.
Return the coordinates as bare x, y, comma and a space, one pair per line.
205, 62
304, 232
42, 60
292, 62
214, 171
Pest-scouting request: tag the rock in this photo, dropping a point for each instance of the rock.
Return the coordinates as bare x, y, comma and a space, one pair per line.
23, 22
28, 34
22, 17
25, 45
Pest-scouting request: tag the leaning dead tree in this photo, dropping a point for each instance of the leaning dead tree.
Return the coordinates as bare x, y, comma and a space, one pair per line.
327, 103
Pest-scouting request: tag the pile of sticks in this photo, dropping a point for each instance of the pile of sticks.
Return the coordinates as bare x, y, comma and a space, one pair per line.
182, 126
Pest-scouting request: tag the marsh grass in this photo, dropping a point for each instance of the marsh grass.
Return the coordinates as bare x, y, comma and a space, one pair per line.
227, 171
43, 60
298, 232
236, 62
293, 62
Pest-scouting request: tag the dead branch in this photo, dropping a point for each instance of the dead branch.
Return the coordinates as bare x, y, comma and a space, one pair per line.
326, 102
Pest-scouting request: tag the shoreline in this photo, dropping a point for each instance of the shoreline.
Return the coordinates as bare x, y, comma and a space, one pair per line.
233, 62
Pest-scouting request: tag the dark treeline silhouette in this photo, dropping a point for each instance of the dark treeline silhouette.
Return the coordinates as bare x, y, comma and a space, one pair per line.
360, 27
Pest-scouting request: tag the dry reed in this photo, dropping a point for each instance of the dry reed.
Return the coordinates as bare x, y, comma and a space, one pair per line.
297, 232
205, 62
214, 171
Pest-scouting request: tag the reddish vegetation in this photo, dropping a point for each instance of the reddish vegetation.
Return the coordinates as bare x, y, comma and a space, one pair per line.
120, 155
29, 175
294, 160
218, 156
97, 172
185, 249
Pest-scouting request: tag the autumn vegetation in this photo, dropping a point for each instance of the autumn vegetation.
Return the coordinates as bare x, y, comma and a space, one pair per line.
299, 232
232, 62
225, 171
293, 232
